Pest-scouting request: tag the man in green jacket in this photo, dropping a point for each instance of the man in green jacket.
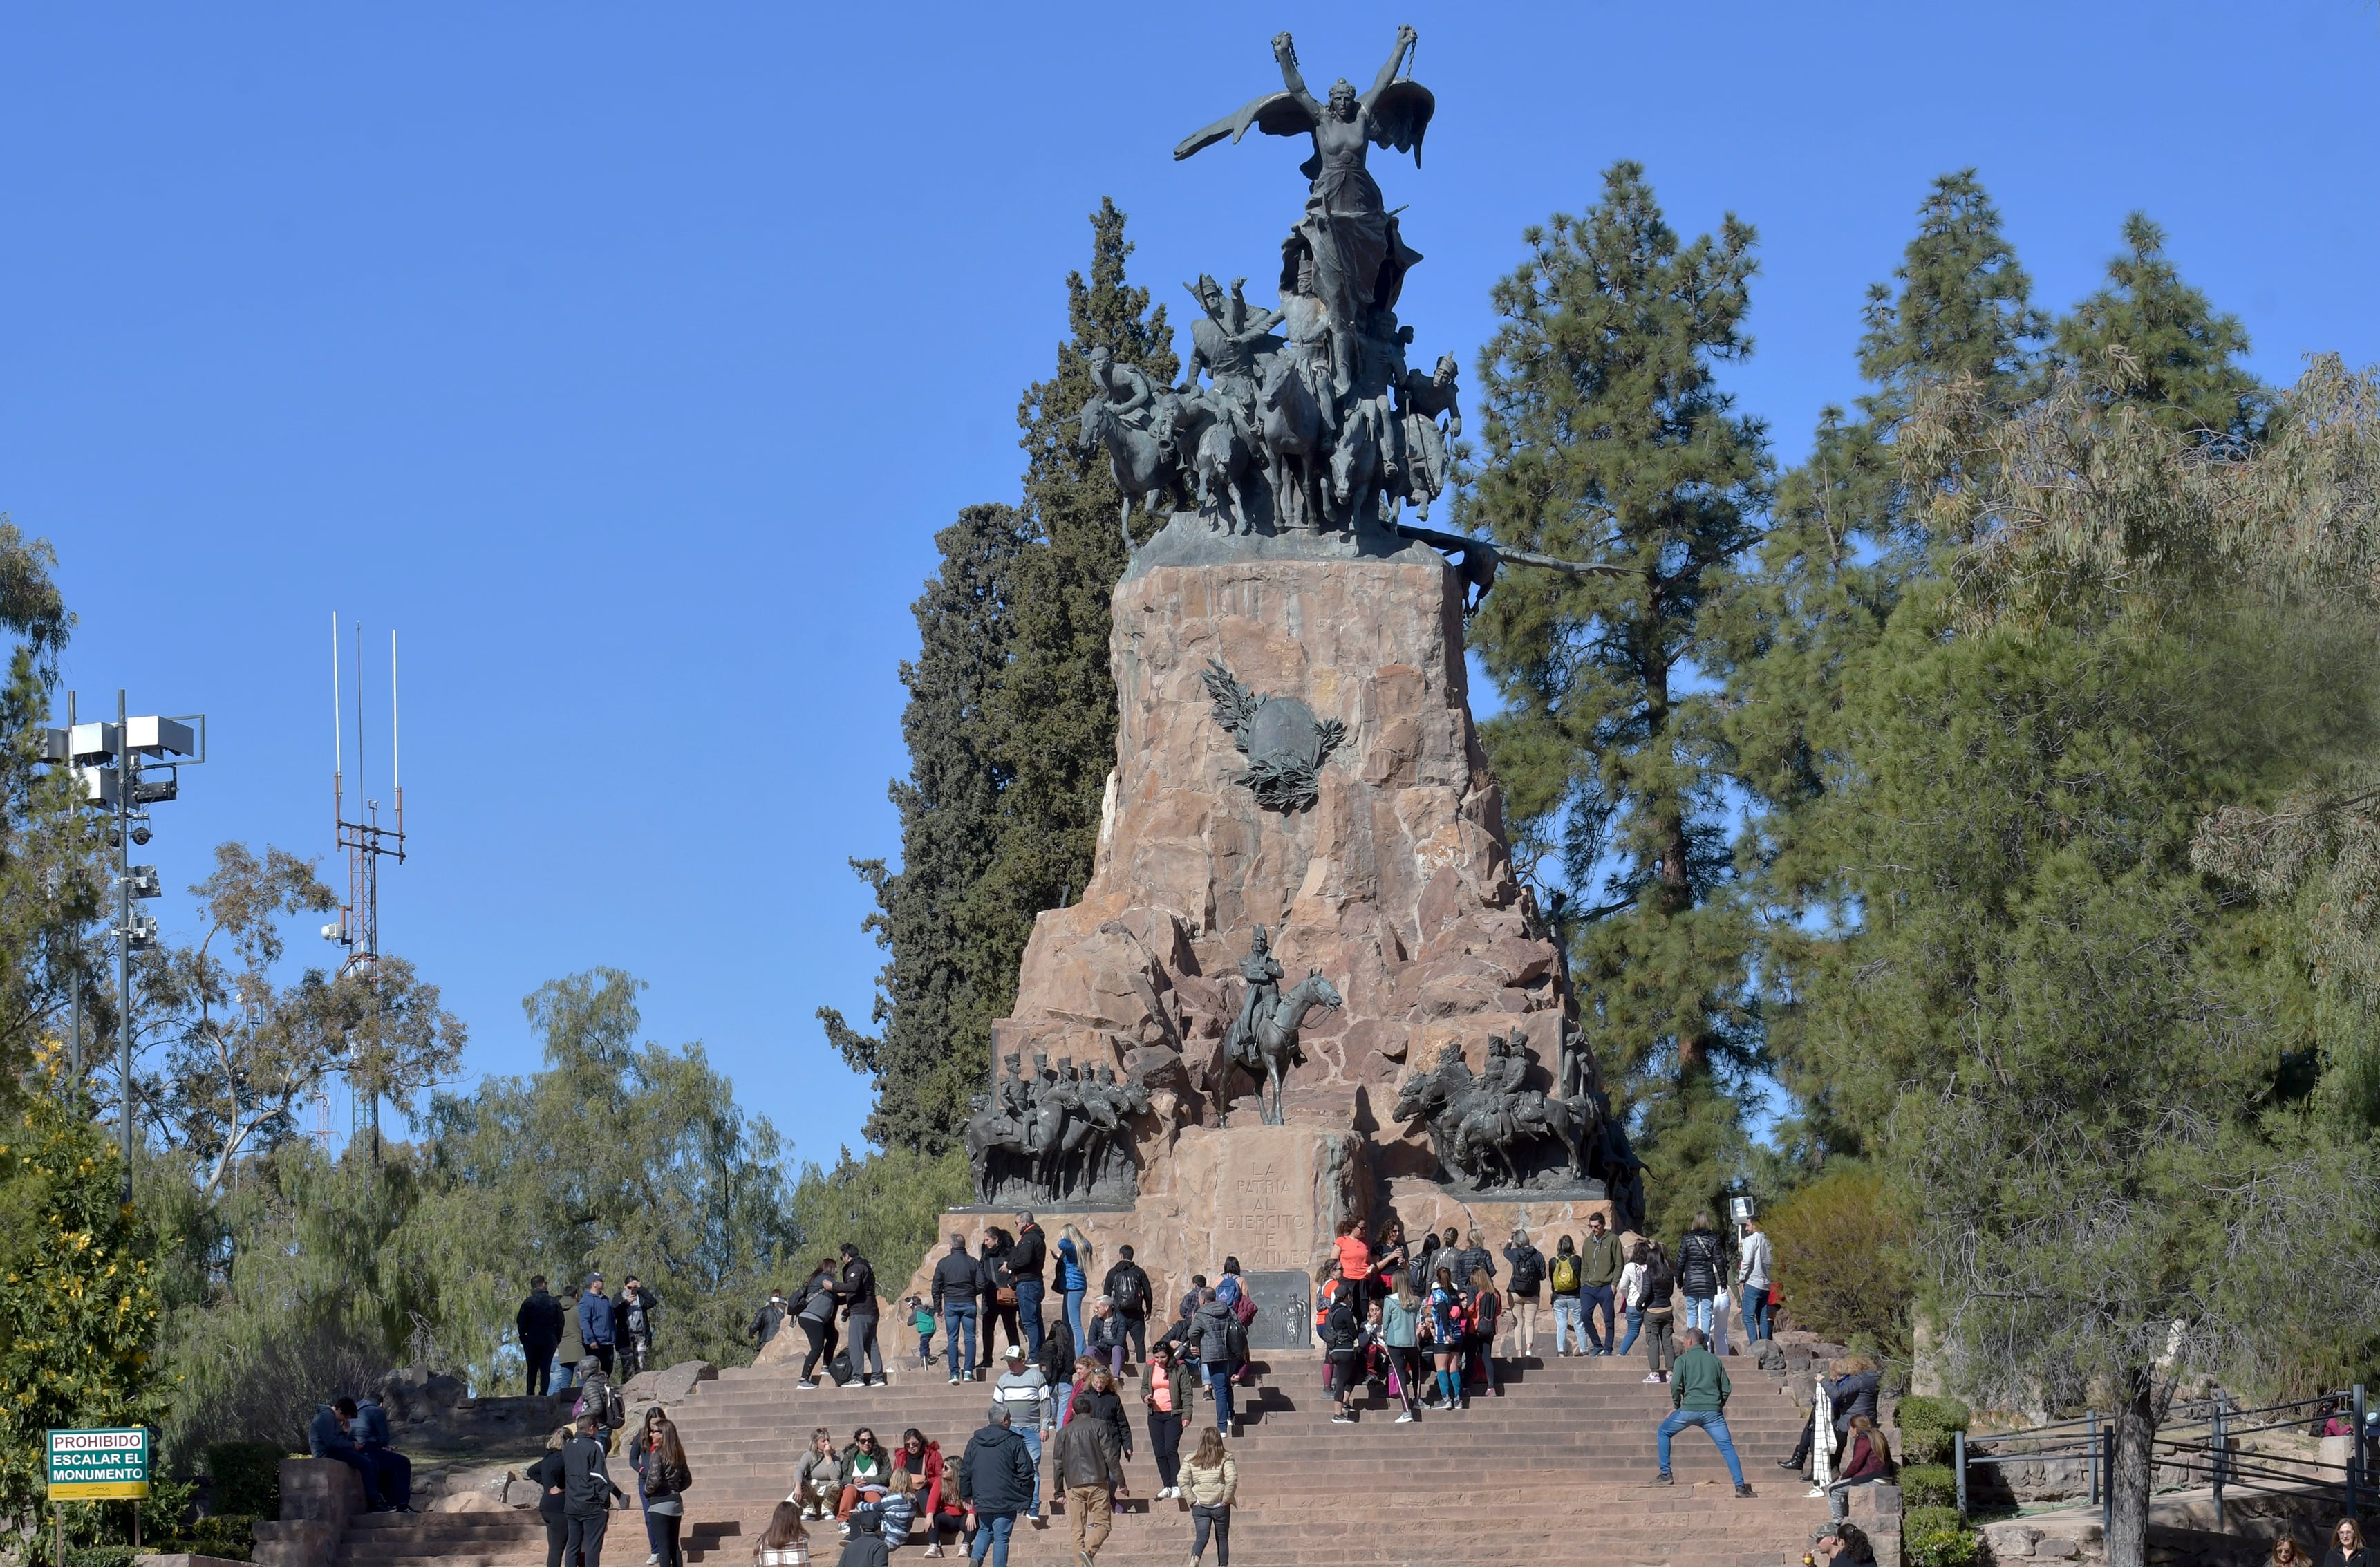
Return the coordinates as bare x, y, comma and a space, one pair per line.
1698, 1390
1599, 1268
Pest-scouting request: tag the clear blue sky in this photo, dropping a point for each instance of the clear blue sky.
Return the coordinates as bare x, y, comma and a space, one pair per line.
625, 359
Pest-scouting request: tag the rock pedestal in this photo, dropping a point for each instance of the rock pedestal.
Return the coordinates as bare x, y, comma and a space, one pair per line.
1396, 885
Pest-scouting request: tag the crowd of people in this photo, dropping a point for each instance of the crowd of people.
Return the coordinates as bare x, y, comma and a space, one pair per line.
614, 1332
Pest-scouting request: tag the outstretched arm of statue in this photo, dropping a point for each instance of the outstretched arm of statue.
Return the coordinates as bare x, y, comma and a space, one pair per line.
1407, 38
1286, 52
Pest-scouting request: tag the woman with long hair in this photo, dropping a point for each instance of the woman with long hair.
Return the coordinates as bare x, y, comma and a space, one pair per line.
784, 1543
1632, 1295
1487, 1320
1401, 1323
2287, 1552
2346, 1546
815, 1312
1074, 1280
1867, 1459
1166, 1391
1210, 1480
1447, 1322
998, 1289
662, 1480
1659, 1285
548, 1476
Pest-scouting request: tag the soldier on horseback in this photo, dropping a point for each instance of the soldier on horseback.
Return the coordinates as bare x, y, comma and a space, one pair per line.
1263, 976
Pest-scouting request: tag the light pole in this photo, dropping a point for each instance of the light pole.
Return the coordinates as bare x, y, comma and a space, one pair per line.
107, 761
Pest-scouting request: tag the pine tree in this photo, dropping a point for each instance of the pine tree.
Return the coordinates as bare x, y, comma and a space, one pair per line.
939, 990
1842, 549
1607, 440
1055, 712
2151, 339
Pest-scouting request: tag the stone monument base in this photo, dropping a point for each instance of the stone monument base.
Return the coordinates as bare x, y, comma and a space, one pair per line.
1272, 1197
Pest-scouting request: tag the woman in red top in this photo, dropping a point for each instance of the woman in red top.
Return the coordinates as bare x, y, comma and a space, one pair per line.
1354, 1266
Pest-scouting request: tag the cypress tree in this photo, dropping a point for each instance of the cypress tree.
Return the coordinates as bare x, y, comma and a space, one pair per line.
1055, 712
1011, 730
1606, 439
937, 994
2149, 339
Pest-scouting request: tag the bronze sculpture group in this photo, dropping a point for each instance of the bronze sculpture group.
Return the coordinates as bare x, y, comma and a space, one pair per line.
1309, 419
1493, 1130
1061, 1134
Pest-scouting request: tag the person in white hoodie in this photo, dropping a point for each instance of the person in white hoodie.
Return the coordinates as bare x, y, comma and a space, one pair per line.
1752, 1277
1632, 1295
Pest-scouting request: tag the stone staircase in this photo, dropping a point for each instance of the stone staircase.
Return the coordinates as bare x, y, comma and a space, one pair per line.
1554, 1468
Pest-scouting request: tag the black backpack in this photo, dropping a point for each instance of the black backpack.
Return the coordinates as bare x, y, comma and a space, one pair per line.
840, 1367
1340, 1331
1528, 1272
1130, 1293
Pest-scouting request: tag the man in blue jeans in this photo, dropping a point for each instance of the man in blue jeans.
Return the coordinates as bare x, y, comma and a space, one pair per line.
1698, 1393
958, 1279
1026, 1259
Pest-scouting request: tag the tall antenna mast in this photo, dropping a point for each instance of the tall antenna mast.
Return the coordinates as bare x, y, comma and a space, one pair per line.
365, 841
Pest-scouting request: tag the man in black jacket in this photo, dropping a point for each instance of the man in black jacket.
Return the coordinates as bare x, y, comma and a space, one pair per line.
957, 1280
539, 1322
858, 1292
996, 1477
586, 1495
1025, 1263
770, 1320
1701, 1269
1129, 1291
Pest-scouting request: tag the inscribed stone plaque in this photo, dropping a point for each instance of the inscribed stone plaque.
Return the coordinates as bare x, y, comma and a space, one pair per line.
1285, 1311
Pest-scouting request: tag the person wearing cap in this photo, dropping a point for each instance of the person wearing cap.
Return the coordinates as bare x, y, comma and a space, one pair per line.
1026, 1262
595, 1320
1023, 1391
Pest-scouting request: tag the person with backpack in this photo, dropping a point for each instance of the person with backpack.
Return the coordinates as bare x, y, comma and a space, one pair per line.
1220, 1341
1599, 1269
539, 1323
1702, 1271
1562, 1279
600, 1402
1343, 1346
1129, 1291
1528, 1277
814, 1308
1447, 1321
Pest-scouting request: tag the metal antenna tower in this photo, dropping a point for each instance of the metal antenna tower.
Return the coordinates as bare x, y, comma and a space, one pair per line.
364, 839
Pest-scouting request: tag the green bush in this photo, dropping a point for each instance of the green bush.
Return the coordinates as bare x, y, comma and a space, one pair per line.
1927, 1425
231, 1535
247, 1477
1938, 1537
1919, 1410
104, 1555
1843, 1247
1928, 1485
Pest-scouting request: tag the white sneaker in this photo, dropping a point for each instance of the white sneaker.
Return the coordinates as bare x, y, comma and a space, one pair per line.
1652, 1376
1406, 1418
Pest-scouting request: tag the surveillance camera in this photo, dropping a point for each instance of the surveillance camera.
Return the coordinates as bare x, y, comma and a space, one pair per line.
331, 931
140, 836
